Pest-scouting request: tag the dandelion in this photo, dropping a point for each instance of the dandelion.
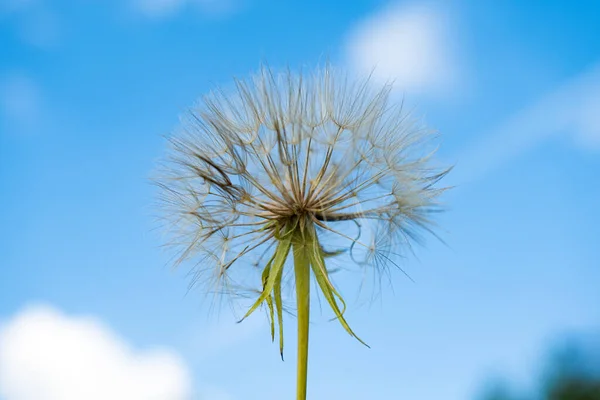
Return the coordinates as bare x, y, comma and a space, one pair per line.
287, 171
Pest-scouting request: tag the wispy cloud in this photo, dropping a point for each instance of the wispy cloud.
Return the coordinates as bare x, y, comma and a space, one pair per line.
37, 24
410, 44
586, 115
159, 9
20, 101
13, 6
208, 341
45, 354
572, 109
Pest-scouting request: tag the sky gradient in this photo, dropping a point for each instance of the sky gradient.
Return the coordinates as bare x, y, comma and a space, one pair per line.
89, 88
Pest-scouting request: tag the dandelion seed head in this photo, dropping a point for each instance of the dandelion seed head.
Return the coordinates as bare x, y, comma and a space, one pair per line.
295, 148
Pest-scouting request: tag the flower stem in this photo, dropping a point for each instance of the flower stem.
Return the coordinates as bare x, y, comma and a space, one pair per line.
302, 272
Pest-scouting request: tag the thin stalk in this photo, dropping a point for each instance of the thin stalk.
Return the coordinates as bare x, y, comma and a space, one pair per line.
302, 272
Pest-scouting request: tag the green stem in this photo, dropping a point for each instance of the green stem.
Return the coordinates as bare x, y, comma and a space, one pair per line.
302, 272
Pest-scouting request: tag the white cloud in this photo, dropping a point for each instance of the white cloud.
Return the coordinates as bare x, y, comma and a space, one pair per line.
409, 44
46, 355
572, 109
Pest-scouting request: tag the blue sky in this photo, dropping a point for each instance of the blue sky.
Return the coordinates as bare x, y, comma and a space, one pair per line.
88, 88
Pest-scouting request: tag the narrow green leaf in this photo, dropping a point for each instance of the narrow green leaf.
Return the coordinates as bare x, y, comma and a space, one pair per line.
281, 253
317, 262
279, 306
269, 299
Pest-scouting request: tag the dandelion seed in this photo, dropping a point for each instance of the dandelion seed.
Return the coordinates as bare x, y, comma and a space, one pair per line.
261, 174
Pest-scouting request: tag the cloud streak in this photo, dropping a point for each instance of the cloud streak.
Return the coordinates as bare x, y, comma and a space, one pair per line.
572, 109
20, 101
161, 9
37, 24
158, 8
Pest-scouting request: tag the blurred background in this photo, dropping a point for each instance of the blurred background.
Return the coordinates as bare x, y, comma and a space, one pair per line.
506, 310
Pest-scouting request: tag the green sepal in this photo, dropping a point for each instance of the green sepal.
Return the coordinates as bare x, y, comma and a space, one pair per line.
281, 253
317, 262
